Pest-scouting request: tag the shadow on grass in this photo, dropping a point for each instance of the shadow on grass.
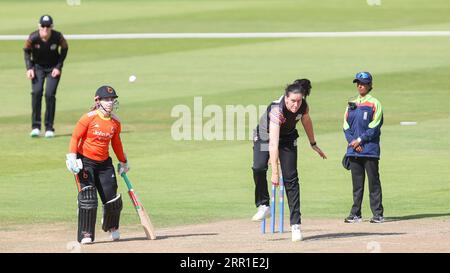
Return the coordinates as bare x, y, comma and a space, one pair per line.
186, 235
123, 240
158, 238
330, 236
415, 217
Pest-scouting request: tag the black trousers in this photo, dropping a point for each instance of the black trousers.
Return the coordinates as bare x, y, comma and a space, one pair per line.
359, 166
100, 174
43, 75
288, 161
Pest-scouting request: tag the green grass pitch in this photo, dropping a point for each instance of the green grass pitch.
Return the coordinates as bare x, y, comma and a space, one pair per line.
183, 182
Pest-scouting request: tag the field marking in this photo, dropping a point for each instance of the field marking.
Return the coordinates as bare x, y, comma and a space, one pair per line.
242, 35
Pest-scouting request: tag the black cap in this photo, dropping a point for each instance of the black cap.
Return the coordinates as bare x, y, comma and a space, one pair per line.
106, 91
46, 21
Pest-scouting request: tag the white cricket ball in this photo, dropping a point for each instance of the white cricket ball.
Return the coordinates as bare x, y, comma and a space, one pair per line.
132, 78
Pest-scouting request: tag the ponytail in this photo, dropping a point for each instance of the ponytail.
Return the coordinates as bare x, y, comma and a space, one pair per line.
300, 86
96, 104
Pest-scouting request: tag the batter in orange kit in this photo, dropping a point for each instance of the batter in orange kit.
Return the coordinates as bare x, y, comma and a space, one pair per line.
89, 160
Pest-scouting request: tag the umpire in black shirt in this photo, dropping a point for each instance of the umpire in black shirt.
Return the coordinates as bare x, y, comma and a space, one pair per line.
45, 51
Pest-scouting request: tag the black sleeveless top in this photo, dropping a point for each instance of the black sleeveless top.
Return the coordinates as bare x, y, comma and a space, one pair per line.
278, 113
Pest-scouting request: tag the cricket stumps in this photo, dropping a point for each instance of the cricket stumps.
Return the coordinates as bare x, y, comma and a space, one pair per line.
273, 210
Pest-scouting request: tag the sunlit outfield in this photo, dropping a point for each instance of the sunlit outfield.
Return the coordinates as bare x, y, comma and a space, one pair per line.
184, 182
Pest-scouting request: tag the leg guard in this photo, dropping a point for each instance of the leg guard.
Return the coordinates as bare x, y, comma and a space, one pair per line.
111, 213
87, 212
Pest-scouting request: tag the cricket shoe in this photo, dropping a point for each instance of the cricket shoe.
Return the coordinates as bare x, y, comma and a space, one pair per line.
114, 234
49, 134
262, 213
353, 219
86, 241
377, 219
296, 233
35, 132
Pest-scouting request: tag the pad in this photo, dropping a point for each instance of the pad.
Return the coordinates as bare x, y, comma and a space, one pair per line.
87, 212
111, 213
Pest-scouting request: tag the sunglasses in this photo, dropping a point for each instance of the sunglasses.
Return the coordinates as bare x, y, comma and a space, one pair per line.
46, 26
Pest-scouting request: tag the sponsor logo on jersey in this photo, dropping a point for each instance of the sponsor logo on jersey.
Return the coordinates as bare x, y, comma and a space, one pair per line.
53, 47
102, 135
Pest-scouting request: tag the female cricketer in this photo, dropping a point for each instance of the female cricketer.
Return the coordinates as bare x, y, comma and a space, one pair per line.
90, 145
275, 138
45, 51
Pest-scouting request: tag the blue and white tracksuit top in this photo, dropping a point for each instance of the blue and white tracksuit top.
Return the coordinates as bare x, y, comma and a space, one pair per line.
364, 122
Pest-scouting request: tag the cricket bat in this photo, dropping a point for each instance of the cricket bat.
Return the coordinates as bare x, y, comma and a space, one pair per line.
143, 215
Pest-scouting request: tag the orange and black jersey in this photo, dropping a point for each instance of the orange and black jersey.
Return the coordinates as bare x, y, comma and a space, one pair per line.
92, 136
47, 53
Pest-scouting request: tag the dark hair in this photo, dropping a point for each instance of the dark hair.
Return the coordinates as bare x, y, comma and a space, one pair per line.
299, 86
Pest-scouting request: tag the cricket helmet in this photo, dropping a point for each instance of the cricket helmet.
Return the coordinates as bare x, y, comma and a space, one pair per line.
105, 91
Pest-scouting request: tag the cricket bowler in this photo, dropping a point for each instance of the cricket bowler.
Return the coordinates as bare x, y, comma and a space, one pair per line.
275, 138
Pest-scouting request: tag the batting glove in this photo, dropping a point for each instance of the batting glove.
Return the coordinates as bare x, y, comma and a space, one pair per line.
123, 167
73, 164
